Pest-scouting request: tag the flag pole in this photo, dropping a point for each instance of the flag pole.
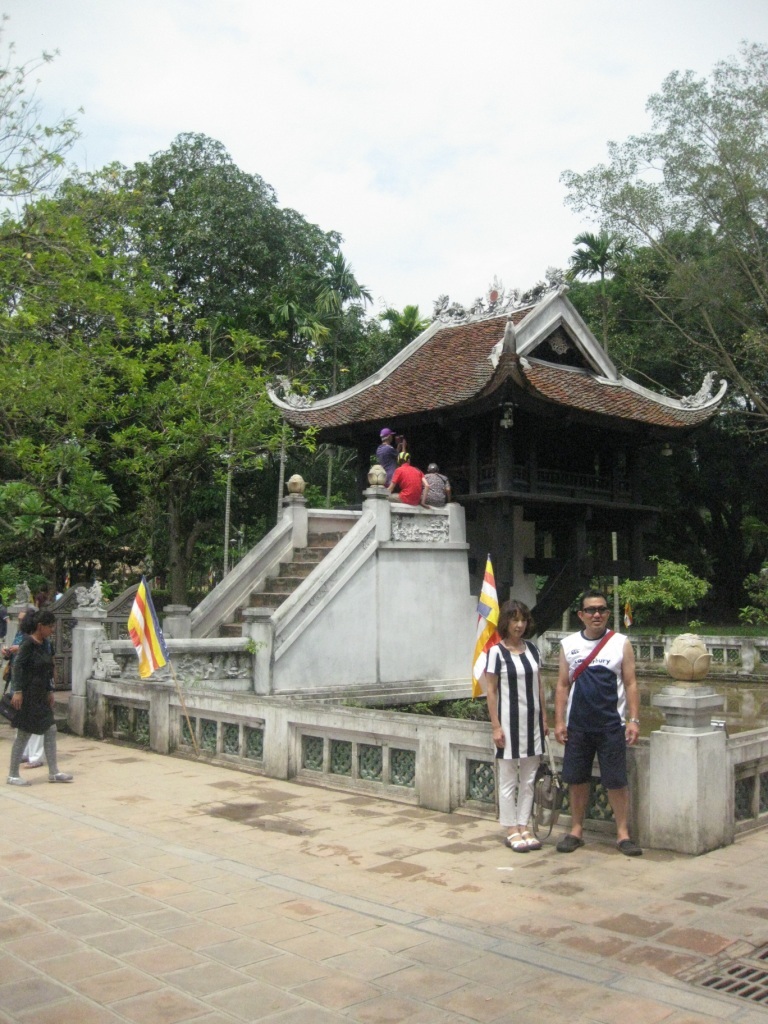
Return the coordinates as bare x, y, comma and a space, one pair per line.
184, 707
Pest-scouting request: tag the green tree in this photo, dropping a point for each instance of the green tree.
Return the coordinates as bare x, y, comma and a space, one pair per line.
694, 191
674, 587
31, 153
596, 257
405, 326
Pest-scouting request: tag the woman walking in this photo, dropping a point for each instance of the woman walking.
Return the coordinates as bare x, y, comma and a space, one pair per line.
518, 718
33, 698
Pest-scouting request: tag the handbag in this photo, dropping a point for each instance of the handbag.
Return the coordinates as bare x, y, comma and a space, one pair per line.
548, 793
7, 710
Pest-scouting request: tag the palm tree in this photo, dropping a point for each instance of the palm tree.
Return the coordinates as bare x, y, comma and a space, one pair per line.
338, 286
405, 326
598, 256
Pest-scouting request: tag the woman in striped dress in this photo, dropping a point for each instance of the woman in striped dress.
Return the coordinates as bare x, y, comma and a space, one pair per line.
519, 720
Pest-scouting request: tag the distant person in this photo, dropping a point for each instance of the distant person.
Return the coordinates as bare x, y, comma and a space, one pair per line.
42, 598
33, 752
406, 486
3, 622
32, 681
386, 454
597, 712
518, 715
436, 488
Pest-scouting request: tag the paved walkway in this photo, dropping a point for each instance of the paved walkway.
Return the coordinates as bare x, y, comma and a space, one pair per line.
158, 890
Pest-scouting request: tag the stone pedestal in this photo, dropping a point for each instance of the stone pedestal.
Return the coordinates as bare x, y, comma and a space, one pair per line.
176, 622
257, 625
688, 773
87, 634
295, 508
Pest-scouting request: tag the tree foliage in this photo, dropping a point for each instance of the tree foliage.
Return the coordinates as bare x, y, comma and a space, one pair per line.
31, 153
674, 587
693, 192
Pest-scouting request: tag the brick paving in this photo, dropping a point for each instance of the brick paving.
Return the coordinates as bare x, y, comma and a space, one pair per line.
159, 890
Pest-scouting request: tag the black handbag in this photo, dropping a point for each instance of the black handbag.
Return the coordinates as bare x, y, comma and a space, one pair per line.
548, 793
7, 710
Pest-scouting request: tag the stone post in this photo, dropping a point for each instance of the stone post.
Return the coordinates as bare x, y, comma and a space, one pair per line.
457, 523
160, 717
295, 508
689, 776
176, 622
87, 633
376, 500
257, 625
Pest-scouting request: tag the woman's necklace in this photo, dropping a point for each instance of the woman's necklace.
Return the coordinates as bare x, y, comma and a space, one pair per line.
510, 645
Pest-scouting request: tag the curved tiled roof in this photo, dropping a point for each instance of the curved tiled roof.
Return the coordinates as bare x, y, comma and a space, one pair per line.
451, 365
623, 400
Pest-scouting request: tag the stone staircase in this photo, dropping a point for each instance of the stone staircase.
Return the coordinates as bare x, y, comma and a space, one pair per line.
277, 589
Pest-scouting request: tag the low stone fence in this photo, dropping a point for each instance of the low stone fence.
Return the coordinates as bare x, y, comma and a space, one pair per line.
737, 655
692, 788
438, 763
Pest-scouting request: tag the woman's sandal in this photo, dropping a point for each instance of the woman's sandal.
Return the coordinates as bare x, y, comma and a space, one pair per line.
530, 840
516, 842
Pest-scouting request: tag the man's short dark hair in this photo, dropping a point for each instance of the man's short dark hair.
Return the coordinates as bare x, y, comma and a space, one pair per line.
45, 617
588, 594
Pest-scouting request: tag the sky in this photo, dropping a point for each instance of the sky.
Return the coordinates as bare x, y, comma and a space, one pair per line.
431, 134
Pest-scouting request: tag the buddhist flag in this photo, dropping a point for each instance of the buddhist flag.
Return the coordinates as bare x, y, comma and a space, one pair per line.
487, 620
146, 635
627, 614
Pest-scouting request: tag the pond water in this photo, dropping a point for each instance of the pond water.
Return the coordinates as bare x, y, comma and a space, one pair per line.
746, 703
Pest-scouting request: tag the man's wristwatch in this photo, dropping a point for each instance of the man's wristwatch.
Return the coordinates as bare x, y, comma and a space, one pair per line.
634, 721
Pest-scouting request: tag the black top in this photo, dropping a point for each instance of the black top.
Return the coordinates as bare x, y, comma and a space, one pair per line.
32, 675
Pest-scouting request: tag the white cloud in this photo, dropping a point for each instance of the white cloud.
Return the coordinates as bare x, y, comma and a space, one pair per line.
430, 134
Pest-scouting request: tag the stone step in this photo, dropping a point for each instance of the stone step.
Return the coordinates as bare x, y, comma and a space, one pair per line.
230, 629
291, 575
285, 584
297, 569
266, 599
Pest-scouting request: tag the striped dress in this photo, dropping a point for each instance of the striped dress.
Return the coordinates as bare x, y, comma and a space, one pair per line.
519, 706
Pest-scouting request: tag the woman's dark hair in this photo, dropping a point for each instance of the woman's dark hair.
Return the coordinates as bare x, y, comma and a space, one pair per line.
44, 617
27, 623
515, 610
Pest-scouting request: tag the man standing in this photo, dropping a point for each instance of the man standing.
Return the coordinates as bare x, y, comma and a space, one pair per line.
386, 454
596, 712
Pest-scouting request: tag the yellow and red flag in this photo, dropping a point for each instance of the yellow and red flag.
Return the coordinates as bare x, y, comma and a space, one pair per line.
628, 615
145, 633
487, 620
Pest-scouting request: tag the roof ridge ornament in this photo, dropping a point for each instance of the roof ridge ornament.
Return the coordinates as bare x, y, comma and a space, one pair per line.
703, 395
496, 302
290, 397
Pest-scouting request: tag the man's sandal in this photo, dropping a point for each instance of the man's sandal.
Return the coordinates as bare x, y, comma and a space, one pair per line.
531, 841
569, 843
516, 842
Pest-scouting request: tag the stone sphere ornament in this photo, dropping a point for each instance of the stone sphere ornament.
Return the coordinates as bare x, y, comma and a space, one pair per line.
296, 484
377, 476
688, 658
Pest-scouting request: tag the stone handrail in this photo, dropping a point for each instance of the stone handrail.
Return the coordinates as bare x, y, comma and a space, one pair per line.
740, 655
223, 601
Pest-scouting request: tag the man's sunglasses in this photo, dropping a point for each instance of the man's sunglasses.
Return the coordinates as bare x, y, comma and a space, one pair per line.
599, 609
